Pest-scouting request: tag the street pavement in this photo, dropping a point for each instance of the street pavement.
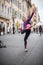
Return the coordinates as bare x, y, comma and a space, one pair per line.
14, 54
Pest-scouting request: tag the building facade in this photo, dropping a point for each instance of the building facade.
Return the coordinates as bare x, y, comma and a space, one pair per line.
5, 14
9, 8
36, 18
13, 11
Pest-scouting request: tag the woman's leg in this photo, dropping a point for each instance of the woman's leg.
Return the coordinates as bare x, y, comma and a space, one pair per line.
26, 37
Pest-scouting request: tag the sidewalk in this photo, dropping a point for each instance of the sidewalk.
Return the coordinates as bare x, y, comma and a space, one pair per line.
14, 53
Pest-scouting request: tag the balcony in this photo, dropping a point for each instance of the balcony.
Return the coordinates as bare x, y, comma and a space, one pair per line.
4, 15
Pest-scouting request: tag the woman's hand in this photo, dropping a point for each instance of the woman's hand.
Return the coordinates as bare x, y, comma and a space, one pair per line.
33, 8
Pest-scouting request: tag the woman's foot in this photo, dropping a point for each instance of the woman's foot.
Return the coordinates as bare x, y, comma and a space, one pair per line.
26, 50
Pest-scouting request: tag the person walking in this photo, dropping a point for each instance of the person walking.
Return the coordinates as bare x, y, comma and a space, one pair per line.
3, 30
27, 29
13, 29
40, 29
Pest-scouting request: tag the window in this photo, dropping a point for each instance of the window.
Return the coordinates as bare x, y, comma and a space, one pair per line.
8, 1
0, 1
1, 24
8, 10
20, 5
23, 8
13, 11
7, 24
14, 1
20, 15
2, 7
5, 9
23, 0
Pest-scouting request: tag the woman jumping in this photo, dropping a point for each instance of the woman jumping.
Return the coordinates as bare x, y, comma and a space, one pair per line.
27, 29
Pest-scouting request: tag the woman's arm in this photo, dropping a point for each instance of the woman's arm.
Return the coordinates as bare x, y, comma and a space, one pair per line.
28, 20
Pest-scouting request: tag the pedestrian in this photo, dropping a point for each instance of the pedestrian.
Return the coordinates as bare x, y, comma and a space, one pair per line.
13, 29
10, 29
40, 29
0, 29
3, 30
27, 29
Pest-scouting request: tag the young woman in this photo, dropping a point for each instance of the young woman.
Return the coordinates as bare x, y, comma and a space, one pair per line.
27, 29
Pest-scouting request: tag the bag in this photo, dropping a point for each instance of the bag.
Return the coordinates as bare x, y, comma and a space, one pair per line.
28, 26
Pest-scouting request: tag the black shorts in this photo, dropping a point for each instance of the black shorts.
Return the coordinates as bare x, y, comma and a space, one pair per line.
25, 31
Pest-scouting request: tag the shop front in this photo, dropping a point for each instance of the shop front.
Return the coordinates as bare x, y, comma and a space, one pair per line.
4, 25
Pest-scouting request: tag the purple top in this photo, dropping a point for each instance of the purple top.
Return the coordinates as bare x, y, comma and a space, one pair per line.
27, 21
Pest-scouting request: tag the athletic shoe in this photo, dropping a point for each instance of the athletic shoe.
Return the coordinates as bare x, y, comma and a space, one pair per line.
26, 50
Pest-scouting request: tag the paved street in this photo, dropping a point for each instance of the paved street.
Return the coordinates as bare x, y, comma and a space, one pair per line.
14, 53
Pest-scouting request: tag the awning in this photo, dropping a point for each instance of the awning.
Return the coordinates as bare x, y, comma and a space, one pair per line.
4, 20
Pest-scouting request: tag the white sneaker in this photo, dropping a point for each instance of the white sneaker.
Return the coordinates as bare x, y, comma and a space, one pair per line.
26, 50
